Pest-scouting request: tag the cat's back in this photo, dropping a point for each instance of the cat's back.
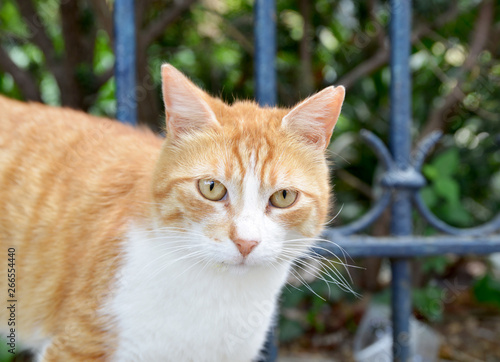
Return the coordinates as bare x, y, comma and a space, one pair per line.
41, 146
26, 127
57, 158
69, 183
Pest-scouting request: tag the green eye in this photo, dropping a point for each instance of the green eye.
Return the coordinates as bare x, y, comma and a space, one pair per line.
283, 198
212, 190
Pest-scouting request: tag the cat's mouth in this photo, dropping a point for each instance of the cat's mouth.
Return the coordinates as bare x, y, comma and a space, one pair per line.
238, 267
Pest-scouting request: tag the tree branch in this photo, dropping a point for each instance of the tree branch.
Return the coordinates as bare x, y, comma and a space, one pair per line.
354, 182
37, 31
156, 28
306, 82
478, 41
104, 17
23, 79
103, 78
381, 57
76, 54
423, 29
233, 32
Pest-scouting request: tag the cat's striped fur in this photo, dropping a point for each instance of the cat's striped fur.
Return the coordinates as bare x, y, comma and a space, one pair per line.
118, 254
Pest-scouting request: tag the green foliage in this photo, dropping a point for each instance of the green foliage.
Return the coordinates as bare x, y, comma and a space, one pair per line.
443, 193
213, 44
429, 302
487, 290
5, 356
308, 306
290, 330
435, 264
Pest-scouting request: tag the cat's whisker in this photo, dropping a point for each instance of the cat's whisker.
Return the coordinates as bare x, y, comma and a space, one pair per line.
344, 253
277, 261
203, 268
192, 255
331, 262
162, 240
340, 280
339, 262
328, 265
308, 254
198, 260
306, 284
299, 263
170, 251
333, 218
174, 229
331, 153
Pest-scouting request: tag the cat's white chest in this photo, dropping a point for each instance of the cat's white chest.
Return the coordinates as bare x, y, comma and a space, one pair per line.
167, 308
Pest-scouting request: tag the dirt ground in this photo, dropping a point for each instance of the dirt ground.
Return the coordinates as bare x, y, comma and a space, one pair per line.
470, 332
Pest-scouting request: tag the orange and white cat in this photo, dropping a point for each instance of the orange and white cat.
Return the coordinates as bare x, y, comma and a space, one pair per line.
129, 247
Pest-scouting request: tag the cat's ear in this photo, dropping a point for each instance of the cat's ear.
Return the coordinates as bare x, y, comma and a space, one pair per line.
314, 118
185, 107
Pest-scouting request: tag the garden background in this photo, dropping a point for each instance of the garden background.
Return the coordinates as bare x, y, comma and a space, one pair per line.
60, 52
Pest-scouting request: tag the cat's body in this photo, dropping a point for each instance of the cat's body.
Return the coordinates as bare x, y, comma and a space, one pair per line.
123, 254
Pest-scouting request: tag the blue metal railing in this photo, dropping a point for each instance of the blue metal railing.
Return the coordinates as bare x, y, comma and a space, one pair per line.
400, 143
124, 27
265, 52
401, 180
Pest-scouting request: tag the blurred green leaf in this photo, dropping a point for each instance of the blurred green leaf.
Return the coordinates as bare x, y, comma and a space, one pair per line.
448, 188
292, 297
446, 164
455, 214
430, 172
429, 302
429, 196
487, 290
435, 264
290, 330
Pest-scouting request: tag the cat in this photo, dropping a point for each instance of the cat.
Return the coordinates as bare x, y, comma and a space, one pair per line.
130, 247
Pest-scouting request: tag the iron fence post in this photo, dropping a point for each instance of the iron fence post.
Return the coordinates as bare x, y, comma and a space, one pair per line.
265, 94
400, 146
124, 28
265, 52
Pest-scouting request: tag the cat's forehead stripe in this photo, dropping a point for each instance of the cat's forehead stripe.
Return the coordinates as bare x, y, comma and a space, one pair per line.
253, 152
266, 164
237, 156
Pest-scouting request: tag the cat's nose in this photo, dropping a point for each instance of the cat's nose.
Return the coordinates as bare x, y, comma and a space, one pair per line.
245, 246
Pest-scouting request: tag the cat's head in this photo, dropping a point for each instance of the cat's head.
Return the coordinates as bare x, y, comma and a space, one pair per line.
245, 185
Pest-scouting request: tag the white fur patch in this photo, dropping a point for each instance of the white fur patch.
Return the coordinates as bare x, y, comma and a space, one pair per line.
249, 222
173, 305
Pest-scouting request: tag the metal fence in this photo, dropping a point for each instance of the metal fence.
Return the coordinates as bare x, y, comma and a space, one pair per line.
401, 180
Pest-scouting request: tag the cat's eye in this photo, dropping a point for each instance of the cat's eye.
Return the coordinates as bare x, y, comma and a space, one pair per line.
283, 198
212, 189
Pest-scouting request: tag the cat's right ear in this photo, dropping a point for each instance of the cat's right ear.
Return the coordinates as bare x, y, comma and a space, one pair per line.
185, 109
314, 118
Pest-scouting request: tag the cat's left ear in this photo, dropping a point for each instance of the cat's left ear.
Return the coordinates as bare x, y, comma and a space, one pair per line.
185, 107
314, 118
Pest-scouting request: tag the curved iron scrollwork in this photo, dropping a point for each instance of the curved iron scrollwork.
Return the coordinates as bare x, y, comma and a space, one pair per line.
411, 178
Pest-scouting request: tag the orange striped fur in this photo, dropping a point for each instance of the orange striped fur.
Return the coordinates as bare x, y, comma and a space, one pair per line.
71, 184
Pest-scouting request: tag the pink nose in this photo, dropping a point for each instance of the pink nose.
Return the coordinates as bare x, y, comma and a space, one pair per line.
245, 246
